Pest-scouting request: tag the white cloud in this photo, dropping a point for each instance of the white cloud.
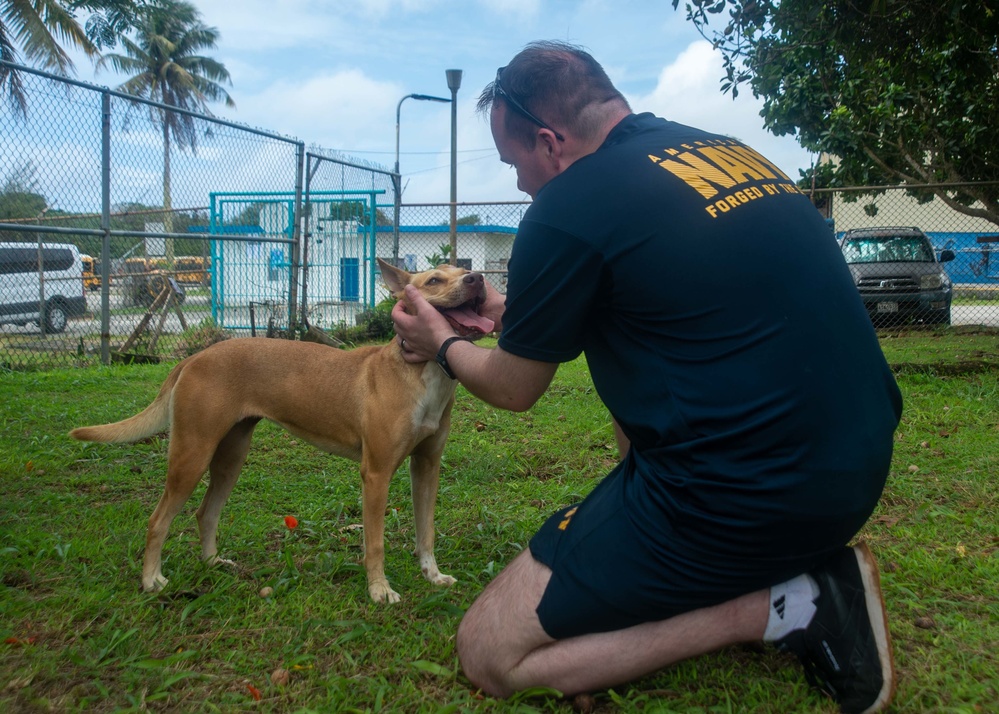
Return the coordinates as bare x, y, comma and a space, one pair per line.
336, 108
261, 25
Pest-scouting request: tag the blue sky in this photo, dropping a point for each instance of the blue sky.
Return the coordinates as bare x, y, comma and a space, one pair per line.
331, 73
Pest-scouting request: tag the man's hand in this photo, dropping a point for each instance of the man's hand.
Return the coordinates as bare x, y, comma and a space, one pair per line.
420, 328
494, 306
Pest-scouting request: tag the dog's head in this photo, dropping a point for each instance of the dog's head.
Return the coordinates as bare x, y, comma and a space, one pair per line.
457, 294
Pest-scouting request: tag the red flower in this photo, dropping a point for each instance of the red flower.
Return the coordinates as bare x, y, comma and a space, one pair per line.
254, 692
291, 522
15, 641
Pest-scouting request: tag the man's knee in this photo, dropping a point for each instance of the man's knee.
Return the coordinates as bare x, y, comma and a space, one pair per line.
474, 659
501, 629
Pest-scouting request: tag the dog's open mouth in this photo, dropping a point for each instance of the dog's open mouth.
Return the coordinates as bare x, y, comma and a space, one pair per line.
466, 320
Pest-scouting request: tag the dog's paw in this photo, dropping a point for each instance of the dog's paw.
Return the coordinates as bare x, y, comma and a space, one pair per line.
154, 584
382, 592
428, 565
225, 562
441, 579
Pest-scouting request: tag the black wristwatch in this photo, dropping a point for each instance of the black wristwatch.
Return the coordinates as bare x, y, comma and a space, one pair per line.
441, 357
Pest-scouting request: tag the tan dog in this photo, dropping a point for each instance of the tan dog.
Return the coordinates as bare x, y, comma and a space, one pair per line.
365, 404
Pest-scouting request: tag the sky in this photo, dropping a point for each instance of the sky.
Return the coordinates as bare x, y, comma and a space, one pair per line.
331, 73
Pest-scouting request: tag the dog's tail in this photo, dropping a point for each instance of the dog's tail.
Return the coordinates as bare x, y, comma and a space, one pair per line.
151, 420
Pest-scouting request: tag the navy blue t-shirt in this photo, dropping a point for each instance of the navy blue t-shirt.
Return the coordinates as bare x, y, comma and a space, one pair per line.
719, 322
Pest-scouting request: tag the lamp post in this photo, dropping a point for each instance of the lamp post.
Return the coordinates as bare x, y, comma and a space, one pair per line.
396, 177
453, 83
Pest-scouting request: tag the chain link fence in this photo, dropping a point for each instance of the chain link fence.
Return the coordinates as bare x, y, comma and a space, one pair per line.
353, 217
120, 241
112, 238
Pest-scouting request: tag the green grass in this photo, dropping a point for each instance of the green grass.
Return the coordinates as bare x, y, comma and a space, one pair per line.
76, 633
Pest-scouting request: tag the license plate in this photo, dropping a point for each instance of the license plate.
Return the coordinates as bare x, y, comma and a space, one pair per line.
887, 307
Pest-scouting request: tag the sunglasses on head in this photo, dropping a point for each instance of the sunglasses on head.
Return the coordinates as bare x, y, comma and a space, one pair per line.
498, 91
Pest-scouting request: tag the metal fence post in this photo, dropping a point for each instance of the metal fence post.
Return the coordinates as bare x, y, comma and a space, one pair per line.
296, 246
397, 205
454, 84
307, 232
106, 228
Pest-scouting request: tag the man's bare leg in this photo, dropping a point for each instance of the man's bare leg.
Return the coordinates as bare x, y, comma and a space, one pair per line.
503, 649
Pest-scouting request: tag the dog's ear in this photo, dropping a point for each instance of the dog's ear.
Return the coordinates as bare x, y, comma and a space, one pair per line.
395, 279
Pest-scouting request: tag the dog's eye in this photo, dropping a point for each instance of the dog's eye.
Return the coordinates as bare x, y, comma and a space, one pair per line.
433, 281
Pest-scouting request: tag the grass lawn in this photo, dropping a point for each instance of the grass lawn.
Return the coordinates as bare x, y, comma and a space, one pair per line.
76, 633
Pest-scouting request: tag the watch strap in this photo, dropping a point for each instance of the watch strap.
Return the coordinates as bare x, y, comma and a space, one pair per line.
441, 357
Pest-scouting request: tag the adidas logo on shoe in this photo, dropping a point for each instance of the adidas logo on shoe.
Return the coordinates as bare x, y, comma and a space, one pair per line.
778, 605
846, 649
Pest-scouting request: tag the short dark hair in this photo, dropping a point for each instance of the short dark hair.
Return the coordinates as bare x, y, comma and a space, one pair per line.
556, 81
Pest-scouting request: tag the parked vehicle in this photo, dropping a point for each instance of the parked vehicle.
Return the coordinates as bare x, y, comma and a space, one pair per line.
144, 279
192, 270
41, 284
899, 275
91, 272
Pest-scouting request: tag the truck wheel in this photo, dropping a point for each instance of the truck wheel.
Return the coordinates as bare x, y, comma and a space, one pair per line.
55, 317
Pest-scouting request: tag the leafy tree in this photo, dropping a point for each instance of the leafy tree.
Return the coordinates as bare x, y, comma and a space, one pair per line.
110, 19
348, 211
898, 91
21, 204
166, 67
19, 194
471, 219
38, 27
353, 210
249, 216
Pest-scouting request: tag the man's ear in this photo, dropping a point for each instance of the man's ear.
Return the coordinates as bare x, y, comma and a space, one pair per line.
552, 146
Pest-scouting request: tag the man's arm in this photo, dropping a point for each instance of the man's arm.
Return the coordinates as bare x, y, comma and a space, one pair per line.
623, 442
500, 378
493, 375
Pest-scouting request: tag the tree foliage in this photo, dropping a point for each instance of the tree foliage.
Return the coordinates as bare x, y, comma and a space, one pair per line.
22, 201
357, 211
20, 197
898, 91
166, 66
41, 28
109, 20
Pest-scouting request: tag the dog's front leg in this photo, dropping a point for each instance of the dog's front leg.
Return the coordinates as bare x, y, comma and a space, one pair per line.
374, 496
424, 474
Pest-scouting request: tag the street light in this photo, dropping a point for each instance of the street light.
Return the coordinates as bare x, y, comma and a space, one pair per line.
396, 178
453, 83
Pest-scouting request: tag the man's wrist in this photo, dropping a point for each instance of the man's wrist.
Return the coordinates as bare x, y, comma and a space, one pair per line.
441, 357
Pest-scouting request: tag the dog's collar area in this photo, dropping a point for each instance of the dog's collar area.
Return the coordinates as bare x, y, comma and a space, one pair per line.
441, 357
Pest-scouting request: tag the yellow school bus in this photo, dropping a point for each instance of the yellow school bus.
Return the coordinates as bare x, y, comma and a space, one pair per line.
91, 272
192, 269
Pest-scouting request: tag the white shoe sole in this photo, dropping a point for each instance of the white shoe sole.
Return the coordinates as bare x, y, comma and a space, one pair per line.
878, 617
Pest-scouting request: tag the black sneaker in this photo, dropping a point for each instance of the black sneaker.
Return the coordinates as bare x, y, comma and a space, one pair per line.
846, 649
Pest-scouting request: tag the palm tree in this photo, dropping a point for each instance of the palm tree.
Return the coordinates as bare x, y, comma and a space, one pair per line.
33, 24
166, 68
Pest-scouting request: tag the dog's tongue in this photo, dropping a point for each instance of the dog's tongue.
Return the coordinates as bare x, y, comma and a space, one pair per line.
467, 317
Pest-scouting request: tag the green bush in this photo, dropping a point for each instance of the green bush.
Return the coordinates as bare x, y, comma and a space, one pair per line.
373, 325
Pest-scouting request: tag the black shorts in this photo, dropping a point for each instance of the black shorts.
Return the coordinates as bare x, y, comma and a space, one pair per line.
610, 572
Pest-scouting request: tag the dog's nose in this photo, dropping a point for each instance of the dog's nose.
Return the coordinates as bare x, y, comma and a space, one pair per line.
473, 278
